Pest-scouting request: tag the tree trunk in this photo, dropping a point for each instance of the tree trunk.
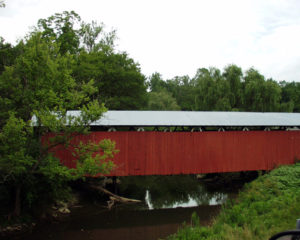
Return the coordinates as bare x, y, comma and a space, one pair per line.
17, 210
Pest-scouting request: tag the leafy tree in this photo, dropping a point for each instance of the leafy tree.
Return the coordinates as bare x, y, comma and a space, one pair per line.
291, 95
72, 34
233, 75
94, 39
119, 81
205, 85
156, 83
8, 53
212, 90
162, 100
39, 83
260, 95
60, 28
183, 90
179, 88
254, 90
272, 96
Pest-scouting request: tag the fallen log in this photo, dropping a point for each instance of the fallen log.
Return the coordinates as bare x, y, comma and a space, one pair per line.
113, 197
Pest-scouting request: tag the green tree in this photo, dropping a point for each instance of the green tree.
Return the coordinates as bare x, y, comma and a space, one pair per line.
183, 90
272, 96
233, 75
8, 53
40, 84
213, 92
291, 95
60, 28
156, 83
254, 90
179, 88
119, 81
95, 39
162, 100
72, 34
260, 95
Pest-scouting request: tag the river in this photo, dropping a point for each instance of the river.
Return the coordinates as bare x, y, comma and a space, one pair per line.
168, 201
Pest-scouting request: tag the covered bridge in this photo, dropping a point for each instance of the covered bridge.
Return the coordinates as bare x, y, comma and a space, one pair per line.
179, 142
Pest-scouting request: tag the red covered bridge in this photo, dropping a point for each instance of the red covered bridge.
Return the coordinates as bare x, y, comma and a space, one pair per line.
172, 142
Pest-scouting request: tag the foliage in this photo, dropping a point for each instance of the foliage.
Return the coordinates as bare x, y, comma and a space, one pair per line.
266, 206
156, 83
60, 28
9, 53
182, 89
212, 90
94, 39
233, 75
73, 35
118, 79
90, 161
119, 82
291, 95
64, 64
179, 88
39, 83
230, 90
260, 95
162, 100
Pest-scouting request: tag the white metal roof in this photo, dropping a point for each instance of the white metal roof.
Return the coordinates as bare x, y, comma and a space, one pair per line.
195, 118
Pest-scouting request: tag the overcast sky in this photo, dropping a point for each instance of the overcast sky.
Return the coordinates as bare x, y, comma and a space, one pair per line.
176, 37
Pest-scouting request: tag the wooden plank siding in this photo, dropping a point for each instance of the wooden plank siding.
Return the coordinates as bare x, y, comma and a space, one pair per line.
168, 153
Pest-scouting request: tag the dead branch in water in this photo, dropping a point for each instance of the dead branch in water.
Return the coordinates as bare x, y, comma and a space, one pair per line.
114, 198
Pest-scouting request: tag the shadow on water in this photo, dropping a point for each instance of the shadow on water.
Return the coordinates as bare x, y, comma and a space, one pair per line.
162, 192
122, 224
168, 201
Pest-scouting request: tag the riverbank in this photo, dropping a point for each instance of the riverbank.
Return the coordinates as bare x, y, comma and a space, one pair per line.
266, 206
167, 201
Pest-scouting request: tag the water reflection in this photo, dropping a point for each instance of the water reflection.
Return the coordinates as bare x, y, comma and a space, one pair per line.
204, 199
171, 199
160, 192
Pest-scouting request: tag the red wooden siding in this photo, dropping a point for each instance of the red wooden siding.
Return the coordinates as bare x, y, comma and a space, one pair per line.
166, 153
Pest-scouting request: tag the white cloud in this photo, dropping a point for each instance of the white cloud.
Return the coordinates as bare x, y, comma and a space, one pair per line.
177, 37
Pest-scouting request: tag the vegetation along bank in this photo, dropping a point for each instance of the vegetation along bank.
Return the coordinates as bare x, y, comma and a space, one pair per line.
266, 206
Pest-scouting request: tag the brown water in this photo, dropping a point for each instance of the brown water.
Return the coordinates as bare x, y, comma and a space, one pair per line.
90, 223
168, 202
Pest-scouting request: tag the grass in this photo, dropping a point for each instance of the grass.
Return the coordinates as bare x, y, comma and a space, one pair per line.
266, 206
